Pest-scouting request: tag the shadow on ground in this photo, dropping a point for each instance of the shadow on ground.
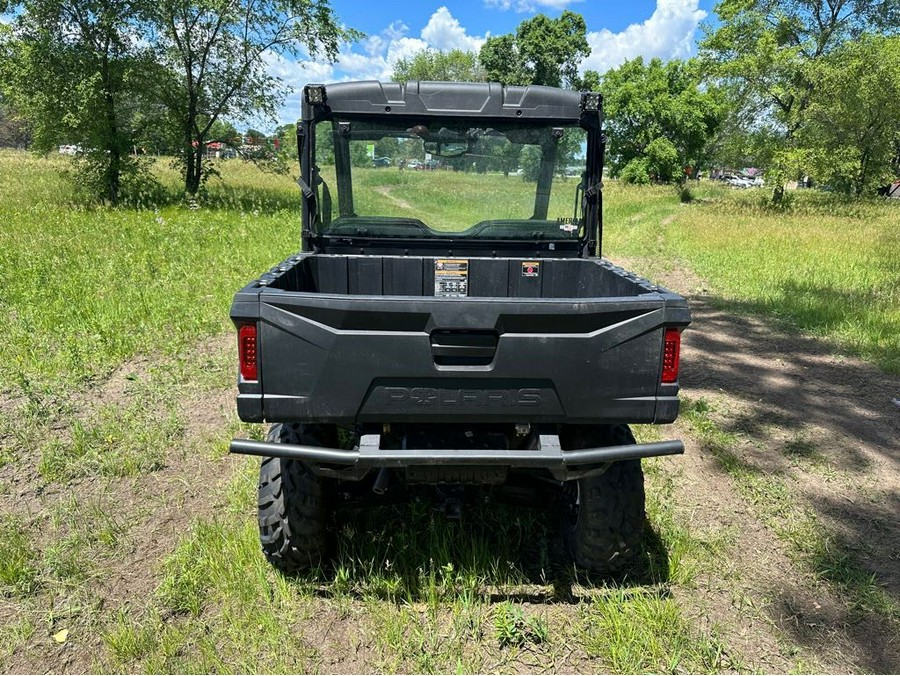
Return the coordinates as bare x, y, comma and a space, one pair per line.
829, 427
413, 553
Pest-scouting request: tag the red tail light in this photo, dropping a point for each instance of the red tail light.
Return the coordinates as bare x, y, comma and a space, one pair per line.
671, 354
247, 352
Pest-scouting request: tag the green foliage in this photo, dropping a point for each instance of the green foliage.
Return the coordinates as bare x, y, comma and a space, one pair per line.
853, 133
217, 56
664, 160
513, 627
542, 51
287, 141
659, 112
359, 154
429, 64
767, 52
76, 70
14, 131
636, 172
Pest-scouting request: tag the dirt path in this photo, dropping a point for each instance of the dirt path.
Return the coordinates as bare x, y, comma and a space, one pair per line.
386, 191
825, 425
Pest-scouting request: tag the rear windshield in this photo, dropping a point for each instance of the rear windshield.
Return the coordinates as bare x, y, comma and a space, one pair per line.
439, 178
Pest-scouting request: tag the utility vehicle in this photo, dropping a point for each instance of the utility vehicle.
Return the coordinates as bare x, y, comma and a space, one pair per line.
453, 331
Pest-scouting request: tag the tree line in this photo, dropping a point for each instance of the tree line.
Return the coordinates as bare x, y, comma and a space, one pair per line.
797, 87
110, 75
801, 88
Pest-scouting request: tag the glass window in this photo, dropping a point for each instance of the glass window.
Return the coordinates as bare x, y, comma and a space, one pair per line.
438, 177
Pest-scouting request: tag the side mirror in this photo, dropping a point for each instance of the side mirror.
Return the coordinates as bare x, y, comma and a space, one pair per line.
453, 149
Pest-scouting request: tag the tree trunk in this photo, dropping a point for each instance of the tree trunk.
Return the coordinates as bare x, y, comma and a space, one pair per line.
192, 170
113, 170
778, 193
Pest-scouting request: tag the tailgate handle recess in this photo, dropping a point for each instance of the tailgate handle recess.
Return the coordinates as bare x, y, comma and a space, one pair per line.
463, 347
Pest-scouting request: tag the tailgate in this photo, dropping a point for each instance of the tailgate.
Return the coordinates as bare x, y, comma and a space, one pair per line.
347, 359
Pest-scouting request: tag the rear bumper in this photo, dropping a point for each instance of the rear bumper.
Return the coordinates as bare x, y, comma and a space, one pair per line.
356, 463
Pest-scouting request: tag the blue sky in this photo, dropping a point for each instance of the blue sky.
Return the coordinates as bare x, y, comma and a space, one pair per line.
616, 31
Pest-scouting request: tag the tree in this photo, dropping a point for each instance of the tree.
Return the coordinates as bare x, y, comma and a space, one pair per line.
659, 118
428, 64
543, 51
853, 122
287, 141
220, 50
75, 70
765, 50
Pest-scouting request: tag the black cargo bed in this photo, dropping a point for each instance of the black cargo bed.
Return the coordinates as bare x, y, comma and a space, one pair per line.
488, 277
363, 339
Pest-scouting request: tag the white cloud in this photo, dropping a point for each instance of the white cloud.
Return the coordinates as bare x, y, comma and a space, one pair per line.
667, 34
295, 74
375, 57
403, 48
528, 5
444, 32
397, 29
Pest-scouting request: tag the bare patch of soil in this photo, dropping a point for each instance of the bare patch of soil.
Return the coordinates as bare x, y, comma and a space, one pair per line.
153, 511
826, 425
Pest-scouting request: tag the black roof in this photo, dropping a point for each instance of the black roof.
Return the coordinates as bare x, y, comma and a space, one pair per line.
479, 99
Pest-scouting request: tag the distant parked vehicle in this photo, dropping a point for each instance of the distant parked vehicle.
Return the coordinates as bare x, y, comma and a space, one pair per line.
414, 164
737, 181
382, 162
69, 150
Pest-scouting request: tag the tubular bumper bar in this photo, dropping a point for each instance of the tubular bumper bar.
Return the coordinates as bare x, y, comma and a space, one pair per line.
563, 465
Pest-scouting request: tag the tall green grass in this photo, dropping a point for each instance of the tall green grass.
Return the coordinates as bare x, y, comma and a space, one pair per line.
84, 288
821, 264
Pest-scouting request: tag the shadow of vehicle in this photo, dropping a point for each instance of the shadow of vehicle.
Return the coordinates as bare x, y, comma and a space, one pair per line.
497, 552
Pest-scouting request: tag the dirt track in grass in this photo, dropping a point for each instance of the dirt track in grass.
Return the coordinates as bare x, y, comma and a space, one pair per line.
824, 424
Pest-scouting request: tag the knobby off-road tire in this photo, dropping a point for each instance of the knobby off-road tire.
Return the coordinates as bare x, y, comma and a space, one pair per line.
603, 530
293, 506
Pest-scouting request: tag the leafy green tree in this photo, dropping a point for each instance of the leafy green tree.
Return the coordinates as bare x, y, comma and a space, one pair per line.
429, 64
542, 51
287, 141
659, 118
359, 154
853, 125
764, 49
224, 132
76, 71
254, 137
324, 144
219, 52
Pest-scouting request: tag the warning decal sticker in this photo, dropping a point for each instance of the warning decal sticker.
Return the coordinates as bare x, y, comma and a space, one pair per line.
531, 268
451, 277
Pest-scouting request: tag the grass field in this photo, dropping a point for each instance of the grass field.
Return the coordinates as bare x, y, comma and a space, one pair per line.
827, 266
98, 300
